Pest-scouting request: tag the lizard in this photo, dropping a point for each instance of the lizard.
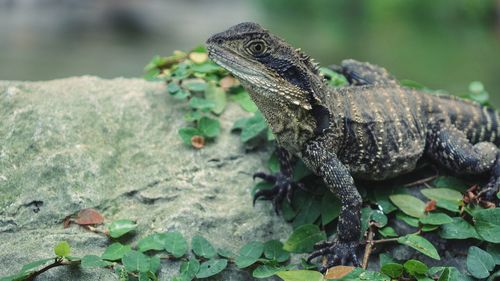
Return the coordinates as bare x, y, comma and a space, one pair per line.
373, 129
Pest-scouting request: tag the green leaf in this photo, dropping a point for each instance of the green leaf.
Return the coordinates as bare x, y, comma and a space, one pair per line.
173, 88
266, 270
366, 213
35, 264
415, 268
442, 194
251, 127
135, 261
487, 224
244, 100
119, 228
436, 218
175, 244
115, 251
450, 182
303, 239
385, 258
452, 206
308, 212
189, 269
388, 232
195, 85
334, 79
154, 264
202, 248
273, 163
288, 211
429, 227
330, 208
456, 275
92, 261
145, 276
191, 116
394, 270
62, 249
379, 218
209, 127
211, 267
479, 262
300, 171
188, 133
458, 229
225, 253
218, 96
206, 68
382, 199
249, 254
273, 250
201, 103
154, 241
477, 93
420, 244
407, 219
156, 62
372, 276
448, 274
300, 275
410, 205
445, 275
181, 95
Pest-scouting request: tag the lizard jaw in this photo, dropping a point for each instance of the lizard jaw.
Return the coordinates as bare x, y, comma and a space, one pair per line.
240, 68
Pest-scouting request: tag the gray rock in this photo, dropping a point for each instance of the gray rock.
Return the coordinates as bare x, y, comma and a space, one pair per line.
112, 145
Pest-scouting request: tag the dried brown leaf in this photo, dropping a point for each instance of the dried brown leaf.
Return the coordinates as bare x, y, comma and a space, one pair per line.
89, 217
339, 271
430, 206
198, 142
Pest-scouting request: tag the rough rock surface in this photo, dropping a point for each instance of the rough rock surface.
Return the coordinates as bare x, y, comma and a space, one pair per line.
112, 145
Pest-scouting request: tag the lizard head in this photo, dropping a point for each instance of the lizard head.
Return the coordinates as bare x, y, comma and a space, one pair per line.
266, 65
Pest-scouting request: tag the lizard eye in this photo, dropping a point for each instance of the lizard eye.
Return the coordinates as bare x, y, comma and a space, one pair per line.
257, 48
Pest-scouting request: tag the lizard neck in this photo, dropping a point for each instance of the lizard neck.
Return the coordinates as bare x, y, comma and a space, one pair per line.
292, 124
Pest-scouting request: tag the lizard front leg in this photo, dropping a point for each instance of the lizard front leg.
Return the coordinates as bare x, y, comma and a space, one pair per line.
451, 149
336, 176
282, 181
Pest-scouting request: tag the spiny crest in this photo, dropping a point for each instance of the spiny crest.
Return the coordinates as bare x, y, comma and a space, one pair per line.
308, 61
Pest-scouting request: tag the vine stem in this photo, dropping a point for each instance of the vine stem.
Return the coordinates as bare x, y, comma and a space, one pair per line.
369, 245
56, 263
421, 181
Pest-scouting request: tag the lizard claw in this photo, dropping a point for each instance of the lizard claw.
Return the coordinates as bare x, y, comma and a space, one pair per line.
336, 253
283, 188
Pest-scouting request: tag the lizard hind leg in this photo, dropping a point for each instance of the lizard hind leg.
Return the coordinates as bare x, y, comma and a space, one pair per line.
363, 73
450, 148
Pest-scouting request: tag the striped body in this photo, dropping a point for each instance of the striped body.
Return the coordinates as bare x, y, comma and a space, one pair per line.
383, 129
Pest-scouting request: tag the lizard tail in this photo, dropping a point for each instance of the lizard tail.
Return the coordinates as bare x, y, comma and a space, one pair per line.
479, 123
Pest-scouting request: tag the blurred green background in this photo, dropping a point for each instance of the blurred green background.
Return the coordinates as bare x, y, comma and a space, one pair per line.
441, 44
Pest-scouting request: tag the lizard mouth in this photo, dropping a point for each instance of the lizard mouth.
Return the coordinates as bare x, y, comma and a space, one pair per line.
234, 63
